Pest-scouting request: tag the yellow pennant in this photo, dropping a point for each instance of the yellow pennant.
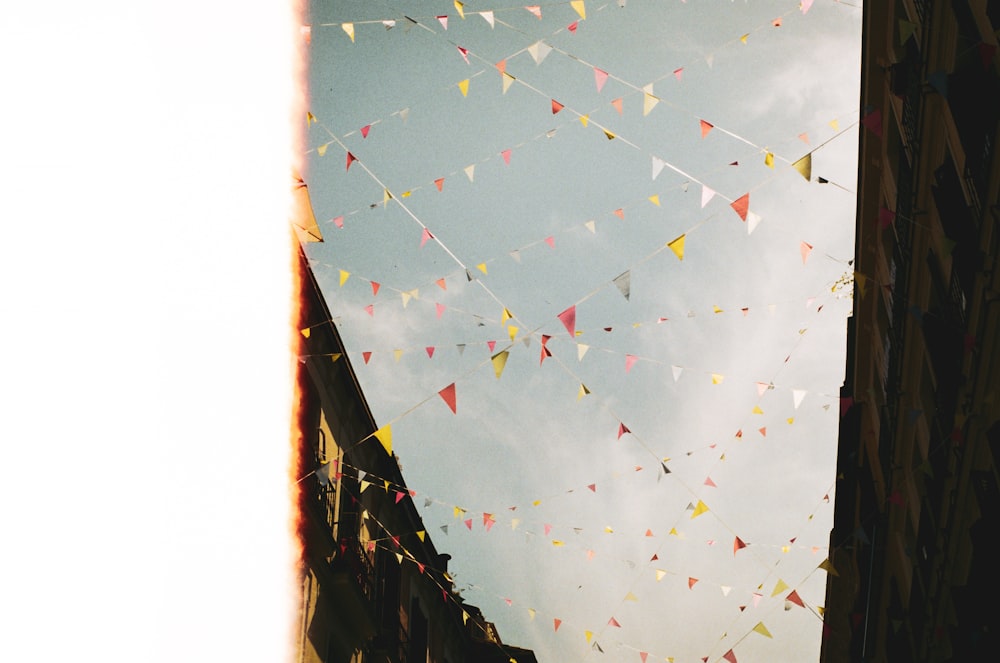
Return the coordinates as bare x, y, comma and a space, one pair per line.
505, 316
421, 534
397, 354
760, 628
588, 635
499, 361
769, 160
580, 8
343, 277
460, 8
677, 246
464, 87
609, 135
655, 200
306, 332
481, 267
717, 378
744, 38
834, 124
321, 150
779, 587
512, 331
459, 512
659, 574
827, 566
349, 29
804, 166
386, 197
584, 119
699, 509
582, 392
757, 410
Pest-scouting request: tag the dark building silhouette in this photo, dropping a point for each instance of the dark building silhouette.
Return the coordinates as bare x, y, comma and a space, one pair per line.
917, 506
374, 589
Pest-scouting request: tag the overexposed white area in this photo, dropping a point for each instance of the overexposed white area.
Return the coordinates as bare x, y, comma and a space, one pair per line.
145, 282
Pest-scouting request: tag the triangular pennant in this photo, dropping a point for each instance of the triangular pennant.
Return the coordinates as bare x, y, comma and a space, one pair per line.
583, 119
583, 391
794, 598
614, 622
448, 394
556, 106
443, 20
706, 127
741, 205
384, 436
717, 378
600, 78
349, 29
430, 351
677, 372
804, 250
623, 283
579, 7
581, 349
609, 135
499, 361
506, 156
535, 10
591, 226
730, 656
470, 172
350, 159
424, 236
488, 16
556, 623
539, 50
699, 509
568, 318
797, 396
648, 103
622, 429
827, 566
655, 199
692, 582
708, 482
779, 587
630, 362
769, 160
677, 246
706, 195
658, 165
460, 8
738, 544
752, 221
760, 628
804, 166
464, 87
617, 103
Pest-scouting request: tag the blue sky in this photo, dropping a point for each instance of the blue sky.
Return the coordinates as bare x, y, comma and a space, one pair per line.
546, 230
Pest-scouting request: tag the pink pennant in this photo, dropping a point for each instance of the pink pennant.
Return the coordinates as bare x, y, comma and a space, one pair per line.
592, 487
617, 103
756, 598
761, 388
508, 602
339, 221
548, 528
506, 156
568, 318
630, 362
468, 523
643, 655
370, 310
464, 52
741, 205
556, 106
551, 241
536, 10
424, 236
501, 66
375, 286
614, 622
572, 27
440, 309
439, 183
430, 351
443, 20
710, 483
487, 517
804, 137
399, 496
366, 356
350, 159
678, 73
365, 129
544, 354
491, 345
804, 249
600, 78
804, 5
622, 429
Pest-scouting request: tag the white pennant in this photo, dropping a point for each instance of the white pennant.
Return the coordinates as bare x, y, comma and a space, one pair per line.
658, 164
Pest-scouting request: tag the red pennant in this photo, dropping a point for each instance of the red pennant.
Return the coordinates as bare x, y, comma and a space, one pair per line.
654, 557
741, 205
649, 532
572, 27
705, 128
568, 318
399, 496
420, 567
350, 159
430, 351
556, 106
366, 356
443, 20
491, 345
545, 353
593, 487
468, 523
448, 394
763, 431
375, 286
555, 624
622, 429
738, 545
691, 582
464, 52
794, 598
730, 656
365, 129
441, 284
439, 183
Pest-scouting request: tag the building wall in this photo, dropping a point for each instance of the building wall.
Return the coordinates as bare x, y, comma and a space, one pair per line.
917, 478
374, 589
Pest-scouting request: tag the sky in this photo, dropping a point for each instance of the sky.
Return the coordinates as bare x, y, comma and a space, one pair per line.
478, 178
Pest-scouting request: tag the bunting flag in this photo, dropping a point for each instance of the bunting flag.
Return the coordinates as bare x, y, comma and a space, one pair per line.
622, 429
730, 656
804, 165
349, 29
568, 318
769, 160
630, 362
738, 544
583, 391
804, 250
705, 128
779, 587
760, 628
579, 8
539, 51
583, 119
499, 362
658, 165
581, 350
649, 100
741, 205
488, 17
706, 195
464, 52
677, 246
614, 622
507, 81
556, 106
384, 436
350, 159
617, 103
443, 20
448, 395
600, 78
556, 623
794, 598
535, 10
699, 509
464, 87
623, 283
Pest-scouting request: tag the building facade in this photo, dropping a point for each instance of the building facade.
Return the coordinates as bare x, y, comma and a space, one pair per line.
917, 505
374, 589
